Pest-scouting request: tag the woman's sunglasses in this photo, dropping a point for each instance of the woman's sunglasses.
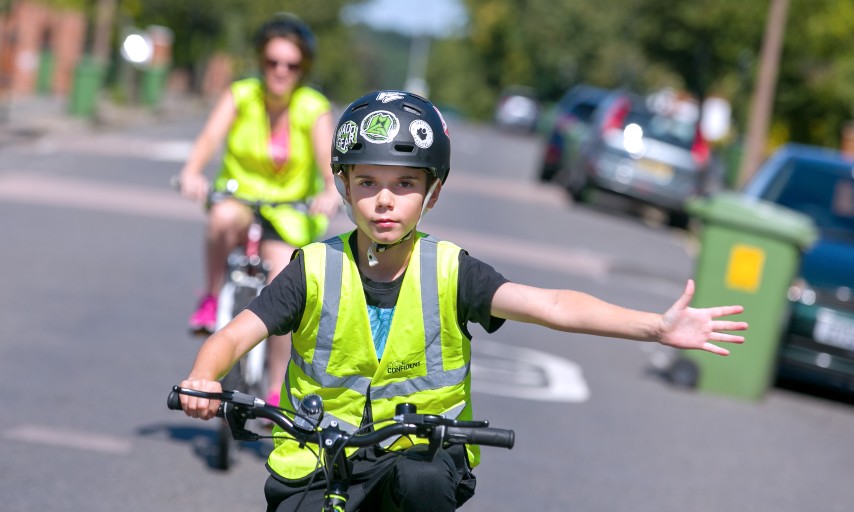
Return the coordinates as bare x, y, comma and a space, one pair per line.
274, 64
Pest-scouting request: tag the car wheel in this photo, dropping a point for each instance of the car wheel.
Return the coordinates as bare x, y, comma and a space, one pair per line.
577, 185
680, 220
547, 173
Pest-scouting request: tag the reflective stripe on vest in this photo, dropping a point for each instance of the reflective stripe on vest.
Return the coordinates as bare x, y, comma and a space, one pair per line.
436, 376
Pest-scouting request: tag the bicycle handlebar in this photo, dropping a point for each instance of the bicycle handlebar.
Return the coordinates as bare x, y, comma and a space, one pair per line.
406, 422
219, 195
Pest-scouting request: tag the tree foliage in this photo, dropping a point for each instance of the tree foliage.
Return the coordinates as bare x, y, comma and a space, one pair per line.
203, 28
703, 47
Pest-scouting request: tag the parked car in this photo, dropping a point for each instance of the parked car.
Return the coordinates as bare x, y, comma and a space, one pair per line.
817, 343
647, 148
572, 117
517, 110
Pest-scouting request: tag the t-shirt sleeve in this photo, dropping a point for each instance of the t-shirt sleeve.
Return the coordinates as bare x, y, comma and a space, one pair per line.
477, 285
281, 303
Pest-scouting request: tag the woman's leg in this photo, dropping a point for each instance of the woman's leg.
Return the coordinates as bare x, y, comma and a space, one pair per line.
227, 224
278, 254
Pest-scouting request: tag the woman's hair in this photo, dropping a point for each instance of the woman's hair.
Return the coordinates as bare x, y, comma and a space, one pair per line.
288, 26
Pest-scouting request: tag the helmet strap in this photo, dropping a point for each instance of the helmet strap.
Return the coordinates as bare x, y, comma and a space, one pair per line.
375, 247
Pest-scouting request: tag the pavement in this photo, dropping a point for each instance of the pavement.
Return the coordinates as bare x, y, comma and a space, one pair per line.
25, 118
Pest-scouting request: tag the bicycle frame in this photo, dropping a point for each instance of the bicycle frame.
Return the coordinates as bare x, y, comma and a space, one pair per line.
246, 271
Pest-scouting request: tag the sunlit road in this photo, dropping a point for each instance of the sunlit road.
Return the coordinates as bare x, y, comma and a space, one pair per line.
101, 266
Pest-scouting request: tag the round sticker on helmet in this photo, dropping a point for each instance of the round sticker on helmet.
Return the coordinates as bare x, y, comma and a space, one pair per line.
422, 134
379, 127
346, 136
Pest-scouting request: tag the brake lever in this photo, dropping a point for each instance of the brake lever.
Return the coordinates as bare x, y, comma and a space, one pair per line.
236, 417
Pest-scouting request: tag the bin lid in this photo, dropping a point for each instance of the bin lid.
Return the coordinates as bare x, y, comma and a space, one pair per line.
756, 216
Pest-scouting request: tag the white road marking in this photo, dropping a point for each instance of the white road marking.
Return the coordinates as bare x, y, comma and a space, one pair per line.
118, 145
65, 438
517, 372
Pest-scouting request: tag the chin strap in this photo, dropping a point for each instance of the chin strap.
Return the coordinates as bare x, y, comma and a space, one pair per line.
375, 247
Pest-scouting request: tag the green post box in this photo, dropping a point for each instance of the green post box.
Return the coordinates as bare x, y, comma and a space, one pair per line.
88, 76
750, 252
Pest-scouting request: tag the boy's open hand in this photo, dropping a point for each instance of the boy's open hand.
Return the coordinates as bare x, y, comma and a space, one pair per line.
692, 328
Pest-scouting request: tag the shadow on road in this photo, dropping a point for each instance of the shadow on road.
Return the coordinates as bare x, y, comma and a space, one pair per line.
204, 441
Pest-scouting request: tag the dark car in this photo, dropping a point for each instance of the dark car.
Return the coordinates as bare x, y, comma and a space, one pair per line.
572, 117
647, 148
818, 341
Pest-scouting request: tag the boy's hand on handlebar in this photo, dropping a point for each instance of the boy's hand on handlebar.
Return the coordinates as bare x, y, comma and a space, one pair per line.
196, 407
696, 328
194, 186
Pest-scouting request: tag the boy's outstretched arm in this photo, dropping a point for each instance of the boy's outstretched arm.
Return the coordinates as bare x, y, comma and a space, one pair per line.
566, 310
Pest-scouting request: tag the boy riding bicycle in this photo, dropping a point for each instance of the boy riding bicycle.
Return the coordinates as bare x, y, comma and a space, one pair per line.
379, 316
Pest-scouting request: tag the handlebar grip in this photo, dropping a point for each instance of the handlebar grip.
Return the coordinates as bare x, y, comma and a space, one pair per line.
173, 401
483, 436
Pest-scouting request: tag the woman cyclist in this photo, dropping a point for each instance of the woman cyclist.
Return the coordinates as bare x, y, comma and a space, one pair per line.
277, 132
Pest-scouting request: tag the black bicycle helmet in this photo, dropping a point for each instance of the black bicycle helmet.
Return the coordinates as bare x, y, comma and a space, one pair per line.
393, 128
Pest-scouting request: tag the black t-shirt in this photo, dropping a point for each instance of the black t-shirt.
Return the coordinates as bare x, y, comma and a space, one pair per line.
281, 304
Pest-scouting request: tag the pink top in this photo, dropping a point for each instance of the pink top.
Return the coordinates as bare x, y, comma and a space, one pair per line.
279, 146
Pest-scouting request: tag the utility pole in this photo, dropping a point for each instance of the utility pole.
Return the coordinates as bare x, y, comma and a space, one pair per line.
763, 93
105, 15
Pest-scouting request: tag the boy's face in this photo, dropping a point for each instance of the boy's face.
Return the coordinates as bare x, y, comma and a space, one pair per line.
387, 199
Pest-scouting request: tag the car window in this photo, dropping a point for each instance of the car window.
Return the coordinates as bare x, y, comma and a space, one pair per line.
818, 190
668, 129
583, 111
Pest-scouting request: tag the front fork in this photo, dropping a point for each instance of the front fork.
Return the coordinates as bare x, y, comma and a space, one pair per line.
336, 495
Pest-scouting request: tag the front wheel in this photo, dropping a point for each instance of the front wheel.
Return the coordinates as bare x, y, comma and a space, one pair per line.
226, 446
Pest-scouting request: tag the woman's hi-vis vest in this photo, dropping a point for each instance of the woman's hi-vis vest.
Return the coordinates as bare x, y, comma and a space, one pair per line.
426, 361
247, 159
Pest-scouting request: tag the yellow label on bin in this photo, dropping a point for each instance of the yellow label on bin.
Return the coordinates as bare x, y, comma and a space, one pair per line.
744, 269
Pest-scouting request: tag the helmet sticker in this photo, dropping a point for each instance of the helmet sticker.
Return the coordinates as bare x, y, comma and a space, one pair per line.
441, 118
422, 134
346, 136
379, 127
389, 96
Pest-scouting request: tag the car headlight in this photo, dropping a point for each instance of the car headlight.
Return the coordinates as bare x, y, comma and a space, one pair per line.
801, 291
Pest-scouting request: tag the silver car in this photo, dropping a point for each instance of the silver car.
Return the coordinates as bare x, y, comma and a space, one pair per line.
648, 150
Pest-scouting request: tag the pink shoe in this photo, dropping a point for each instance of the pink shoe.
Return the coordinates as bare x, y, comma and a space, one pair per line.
204, 318
273, 398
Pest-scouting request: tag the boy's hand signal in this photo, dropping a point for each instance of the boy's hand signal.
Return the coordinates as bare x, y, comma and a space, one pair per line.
696, 328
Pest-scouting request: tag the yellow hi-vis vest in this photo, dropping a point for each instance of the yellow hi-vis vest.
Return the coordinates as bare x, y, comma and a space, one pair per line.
247, 159
426, 360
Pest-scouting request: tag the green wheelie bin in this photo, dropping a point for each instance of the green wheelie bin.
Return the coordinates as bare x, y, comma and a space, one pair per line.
88, 78
750, 252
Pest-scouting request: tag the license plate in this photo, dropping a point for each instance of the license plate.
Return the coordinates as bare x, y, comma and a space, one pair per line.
658, 170
834, 329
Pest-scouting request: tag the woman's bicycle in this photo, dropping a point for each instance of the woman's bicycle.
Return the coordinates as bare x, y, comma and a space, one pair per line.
245, 276
237, 408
